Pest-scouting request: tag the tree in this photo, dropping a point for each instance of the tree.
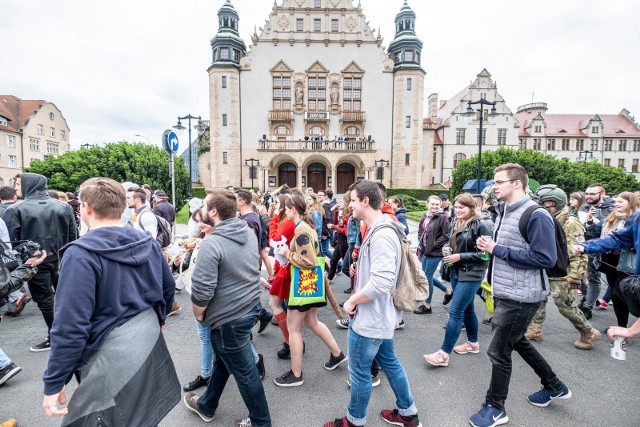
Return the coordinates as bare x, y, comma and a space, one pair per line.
546, 169
122, 161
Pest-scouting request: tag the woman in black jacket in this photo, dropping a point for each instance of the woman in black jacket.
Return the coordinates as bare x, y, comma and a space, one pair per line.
469, 265
433, 233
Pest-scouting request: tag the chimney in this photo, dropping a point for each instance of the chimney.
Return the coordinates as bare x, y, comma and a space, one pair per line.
433, 107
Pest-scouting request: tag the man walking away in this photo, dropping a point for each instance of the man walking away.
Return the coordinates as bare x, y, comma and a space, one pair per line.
163, 208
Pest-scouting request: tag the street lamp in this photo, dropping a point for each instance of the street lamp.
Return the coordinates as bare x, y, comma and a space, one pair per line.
199, 127
145, 137
582, 156
252, 168
469, 116
380, 165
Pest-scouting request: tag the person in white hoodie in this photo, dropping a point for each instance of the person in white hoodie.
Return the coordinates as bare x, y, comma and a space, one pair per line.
373, 315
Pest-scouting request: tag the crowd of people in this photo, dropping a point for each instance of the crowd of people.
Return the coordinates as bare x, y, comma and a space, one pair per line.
101, 253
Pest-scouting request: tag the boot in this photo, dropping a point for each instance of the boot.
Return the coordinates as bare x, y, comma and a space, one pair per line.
588, 339
534, 332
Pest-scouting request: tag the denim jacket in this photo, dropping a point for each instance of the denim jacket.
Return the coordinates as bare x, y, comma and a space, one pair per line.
353, 230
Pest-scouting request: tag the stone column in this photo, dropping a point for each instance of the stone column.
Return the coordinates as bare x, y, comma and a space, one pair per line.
299, 178
334, 179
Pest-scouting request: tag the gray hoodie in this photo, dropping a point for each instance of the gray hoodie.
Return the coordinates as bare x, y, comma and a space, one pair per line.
378, 268
226, 279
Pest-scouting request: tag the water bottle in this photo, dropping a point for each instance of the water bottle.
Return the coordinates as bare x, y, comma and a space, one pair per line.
619, 349
484, 255
446, 251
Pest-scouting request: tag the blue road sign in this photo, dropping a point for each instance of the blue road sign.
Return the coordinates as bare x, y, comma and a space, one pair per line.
170, 142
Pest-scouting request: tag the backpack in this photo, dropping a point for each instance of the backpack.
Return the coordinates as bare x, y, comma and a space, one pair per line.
560, 269
412, 286
164, 229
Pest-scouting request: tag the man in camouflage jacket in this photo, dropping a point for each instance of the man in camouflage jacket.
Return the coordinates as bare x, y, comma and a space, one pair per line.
563, 289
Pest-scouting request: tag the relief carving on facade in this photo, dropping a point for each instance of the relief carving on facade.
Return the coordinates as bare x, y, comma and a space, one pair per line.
245, 63
335, 3
283, 23
300, 2
351, 23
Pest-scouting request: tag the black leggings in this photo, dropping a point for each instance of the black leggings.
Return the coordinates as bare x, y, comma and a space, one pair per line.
620, 307
339, 252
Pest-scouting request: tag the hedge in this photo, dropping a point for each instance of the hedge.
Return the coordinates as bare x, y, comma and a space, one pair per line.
417, 193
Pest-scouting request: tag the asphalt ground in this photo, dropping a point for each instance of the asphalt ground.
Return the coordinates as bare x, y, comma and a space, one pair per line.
605, 391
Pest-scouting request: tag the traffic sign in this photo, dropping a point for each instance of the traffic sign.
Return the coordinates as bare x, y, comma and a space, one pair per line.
170, 142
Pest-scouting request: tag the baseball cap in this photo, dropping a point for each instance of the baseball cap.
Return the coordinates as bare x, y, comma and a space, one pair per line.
444, 196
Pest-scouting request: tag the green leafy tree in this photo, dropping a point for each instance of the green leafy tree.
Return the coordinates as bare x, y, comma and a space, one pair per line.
122, 161
546, 169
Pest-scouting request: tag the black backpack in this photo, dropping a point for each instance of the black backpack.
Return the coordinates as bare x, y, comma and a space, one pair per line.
560, 269
164, 229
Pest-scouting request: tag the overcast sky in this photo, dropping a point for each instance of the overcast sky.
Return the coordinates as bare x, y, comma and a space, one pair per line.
118, 68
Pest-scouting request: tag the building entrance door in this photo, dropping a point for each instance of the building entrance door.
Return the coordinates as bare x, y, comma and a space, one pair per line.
317, 176
346, 177
287, 174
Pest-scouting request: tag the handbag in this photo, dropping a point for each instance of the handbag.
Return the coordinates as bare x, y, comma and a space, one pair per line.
308, 286
629, 288
445, 272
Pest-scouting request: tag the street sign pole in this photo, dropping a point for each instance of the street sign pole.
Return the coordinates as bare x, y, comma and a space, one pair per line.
170, 144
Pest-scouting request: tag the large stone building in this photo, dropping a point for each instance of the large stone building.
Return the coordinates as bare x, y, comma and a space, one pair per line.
29, 129
317, 101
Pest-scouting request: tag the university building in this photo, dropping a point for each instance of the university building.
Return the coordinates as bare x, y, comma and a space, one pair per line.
317, 101
29, 129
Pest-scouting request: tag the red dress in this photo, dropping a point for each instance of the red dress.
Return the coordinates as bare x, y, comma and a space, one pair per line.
282, 274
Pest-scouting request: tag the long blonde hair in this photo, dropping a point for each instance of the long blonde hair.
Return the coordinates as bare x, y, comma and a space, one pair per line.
634, 204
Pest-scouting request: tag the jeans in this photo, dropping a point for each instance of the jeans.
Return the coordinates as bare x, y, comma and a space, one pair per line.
4, 359
429, 266
461, 310
325, 248
593, 287
207, 356
508, 326
232, 345
362, 352
264, 313
42, 286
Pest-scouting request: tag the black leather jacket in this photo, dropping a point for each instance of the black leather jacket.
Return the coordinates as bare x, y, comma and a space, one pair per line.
10, 282
437, 235
471, 267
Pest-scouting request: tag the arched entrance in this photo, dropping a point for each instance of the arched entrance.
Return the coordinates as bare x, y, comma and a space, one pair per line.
346, 177
316, 176
287, 174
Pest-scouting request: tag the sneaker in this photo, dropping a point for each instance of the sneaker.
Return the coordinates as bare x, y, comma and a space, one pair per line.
375, 381
289, 380
191, 402
401, 325
175, 309
200, 381
242, 423
43, 346
603, 305
274, 322
260, 365
334, 362
487, 320
284, 352
543, 397
8, 372
447, 298
394, 418
264, 322
339, 422
467, 347
422, 310
343, 323
446, 323
489, 416
439, 358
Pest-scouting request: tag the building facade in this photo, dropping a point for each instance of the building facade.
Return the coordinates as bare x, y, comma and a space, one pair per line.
29, 129
316, 102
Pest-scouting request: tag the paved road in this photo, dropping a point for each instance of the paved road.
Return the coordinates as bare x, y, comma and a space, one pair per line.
604, 390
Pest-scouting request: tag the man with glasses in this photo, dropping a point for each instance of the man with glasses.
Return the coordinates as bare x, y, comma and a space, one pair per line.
598, 207
519, 282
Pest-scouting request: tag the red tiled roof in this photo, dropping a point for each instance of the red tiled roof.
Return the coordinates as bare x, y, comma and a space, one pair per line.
436, 139
17, 110
568, 125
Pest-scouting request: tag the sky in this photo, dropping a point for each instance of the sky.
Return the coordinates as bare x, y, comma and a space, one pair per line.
121, 68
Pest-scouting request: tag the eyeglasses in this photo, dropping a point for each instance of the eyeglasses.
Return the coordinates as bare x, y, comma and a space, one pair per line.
500, 182
592, 194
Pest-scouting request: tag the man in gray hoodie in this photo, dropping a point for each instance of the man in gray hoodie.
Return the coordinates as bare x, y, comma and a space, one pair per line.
226, 297
373, 315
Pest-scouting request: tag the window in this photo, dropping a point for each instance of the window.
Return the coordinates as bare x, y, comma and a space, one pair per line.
236, 55
580, 144
334, 25
3, 121
352, 94
225, 158
484, 135
52, 132
317, 3
608, 144
53, 147
621, 163
536, 129
594, 145
40, 129
595, 129
13, 161
34, 144
409, 83
502, 137
11, 141
523, 144
224, 120
317, 25
282, 130
537, 144
551, 144
299, 24
63, 134
51, 116
317, 94
282, 93
636, 145
407, 157
316, 131
224, 82
352, 130
224, 53
460, 136
607, 162
566, 145
407, 122
622, 145
634, 166
457, 158
408, 55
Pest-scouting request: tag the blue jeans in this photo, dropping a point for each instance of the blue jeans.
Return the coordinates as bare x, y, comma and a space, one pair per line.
325, 248
461, 310
429, 266
362, 351
4, 359
232, 345
207, 356
508, 326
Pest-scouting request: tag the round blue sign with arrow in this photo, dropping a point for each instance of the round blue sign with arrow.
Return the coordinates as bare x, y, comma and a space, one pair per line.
170, 142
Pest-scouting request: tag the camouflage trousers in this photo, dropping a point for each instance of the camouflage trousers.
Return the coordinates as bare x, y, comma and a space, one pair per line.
563, 298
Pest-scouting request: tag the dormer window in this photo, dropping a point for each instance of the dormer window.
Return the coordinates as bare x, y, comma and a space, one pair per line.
595, 129
3, 121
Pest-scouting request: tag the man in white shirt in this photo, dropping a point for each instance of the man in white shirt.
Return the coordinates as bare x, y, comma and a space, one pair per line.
143, 218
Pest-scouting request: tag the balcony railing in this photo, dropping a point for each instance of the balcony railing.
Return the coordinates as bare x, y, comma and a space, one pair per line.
352, 116
280, 115
326, 145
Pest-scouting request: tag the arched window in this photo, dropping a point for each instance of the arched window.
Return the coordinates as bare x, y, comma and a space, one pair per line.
352, 130
316, 131
458, 157
281, 130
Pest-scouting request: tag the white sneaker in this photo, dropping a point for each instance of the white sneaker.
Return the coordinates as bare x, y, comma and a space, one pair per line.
343, 323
